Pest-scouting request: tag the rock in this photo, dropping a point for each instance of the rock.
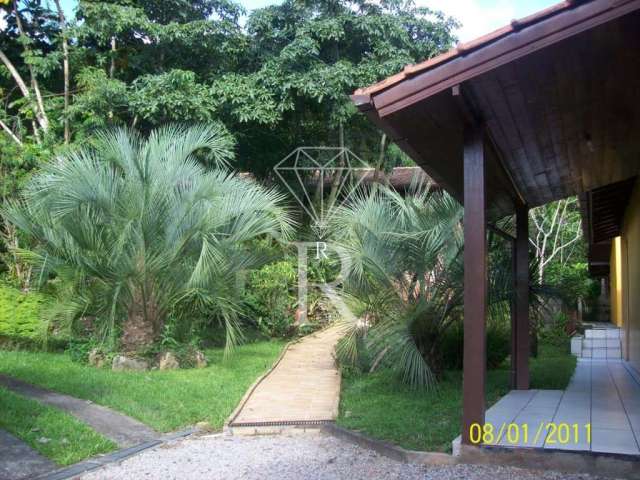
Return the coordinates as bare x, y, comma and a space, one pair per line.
204, 426
121, 363
168, 361
96, 358
200, 360
43, 440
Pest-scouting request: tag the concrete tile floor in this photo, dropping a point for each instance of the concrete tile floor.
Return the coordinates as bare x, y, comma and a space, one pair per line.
604, 394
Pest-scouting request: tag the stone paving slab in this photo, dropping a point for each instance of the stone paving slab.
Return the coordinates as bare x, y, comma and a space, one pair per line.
19, 461
303, 387
123, 430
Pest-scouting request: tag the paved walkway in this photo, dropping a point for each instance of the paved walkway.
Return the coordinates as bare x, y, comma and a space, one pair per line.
123, 430
303, 387
18, 460
602, 393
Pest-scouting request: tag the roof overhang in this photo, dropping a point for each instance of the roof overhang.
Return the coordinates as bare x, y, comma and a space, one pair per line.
501, 80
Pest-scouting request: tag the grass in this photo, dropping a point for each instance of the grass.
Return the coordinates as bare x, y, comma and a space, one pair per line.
55, 434
166, 400
378, 405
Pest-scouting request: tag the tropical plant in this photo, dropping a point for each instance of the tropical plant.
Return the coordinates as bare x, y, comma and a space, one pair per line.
406, 273
141, 230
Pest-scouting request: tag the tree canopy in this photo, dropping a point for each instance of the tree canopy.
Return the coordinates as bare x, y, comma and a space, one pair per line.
277, 77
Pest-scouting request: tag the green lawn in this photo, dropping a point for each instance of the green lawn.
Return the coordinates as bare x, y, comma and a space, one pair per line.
166, 400
378, 405
55, 434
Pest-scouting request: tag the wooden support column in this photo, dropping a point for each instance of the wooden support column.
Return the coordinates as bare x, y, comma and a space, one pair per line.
475, 281
520, 347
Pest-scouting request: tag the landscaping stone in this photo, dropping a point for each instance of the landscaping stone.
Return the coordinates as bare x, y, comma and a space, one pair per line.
204, 427
96, 358
121, 363
168, 361
200, 359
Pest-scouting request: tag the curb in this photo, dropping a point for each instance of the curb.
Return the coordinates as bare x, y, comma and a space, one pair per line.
388, 449
117, 456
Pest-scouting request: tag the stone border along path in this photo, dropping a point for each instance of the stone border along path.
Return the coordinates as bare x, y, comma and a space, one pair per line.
303, 388
18, 460
123, 430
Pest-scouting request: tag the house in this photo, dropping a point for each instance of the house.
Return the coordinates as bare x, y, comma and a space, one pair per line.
545, 108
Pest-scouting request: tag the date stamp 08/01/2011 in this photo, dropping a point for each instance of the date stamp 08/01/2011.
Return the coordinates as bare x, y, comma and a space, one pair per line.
523, 434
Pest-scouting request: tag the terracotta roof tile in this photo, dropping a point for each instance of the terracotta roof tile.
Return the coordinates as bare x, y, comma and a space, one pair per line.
462, 48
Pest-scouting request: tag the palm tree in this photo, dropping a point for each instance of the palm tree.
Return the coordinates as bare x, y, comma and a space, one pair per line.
141, 230
406, 274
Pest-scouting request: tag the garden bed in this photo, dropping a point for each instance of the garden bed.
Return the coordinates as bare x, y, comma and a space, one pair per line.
165, 400
379, 405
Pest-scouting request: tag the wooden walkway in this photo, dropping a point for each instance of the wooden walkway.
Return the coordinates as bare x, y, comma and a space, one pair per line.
303, 388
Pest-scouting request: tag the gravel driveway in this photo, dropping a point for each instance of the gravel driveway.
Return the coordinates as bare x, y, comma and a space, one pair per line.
309, 456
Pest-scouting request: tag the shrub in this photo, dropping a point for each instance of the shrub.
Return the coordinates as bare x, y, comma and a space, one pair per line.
271, 297
20, 314
498, 345
555, 332
140, 229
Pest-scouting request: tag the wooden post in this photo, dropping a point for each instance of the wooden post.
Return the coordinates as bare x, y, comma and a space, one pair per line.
475, 281
521, 348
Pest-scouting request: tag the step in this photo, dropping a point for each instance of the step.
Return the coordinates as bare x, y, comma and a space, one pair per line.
601, 353
601, 343
602, 333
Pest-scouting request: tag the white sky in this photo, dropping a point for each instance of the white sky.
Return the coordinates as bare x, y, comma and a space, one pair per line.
477, 16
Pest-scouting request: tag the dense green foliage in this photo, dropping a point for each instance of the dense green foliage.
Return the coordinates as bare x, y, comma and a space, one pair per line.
140, 231
21, 313
277, 77
55, 434
379, 405
272, 297
406, 274
164, 399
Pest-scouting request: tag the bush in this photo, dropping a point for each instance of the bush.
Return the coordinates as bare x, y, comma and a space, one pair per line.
555, 332
271, 297
20, 314
498, 345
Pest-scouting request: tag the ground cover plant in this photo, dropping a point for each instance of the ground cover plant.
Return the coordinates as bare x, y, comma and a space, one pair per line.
163, 399
20, 313
55, 434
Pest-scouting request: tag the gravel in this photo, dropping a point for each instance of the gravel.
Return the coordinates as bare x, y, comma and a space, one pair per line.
288, 457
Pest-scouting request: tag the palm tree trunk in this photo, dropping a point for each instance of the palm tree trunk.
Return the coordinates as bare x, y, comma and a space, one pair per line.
143, 324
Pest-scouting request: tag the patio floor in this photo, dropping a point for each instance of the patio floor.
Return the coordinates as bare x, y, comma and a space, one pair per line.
604, 394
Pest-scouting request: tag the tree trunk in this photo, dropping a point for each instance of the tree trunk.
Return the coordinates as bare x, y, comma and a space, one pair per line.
112, 67
337, 176
65, 66
9, 132
41, 115
143, 324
